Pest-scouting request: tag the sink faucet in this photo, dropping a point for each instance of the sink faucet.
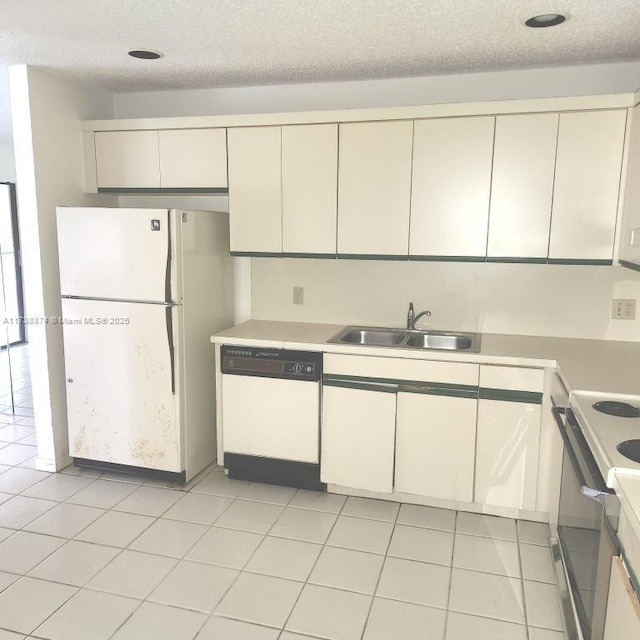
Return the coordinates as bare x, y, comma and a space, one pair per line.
412, 318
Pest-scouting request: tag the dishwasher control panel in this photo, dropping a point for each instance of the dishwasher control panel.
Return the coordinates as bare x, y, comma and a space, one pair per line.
285, 364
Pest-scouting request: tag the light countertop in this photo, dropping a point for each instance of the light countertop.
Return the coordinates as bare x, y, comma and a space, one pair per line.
584, 365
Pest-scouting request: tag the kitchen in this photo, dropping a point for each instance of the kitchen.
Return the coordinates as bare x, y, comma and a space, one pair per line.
344, 292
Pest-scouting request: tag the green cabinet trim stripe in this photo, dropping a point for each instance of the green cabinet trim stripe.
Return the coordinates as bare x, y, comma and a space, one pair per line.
603, 263
360, 386
322, 256
402, 386
370, 256
506, 395
630, 265
505, 260
163, 190
255, 254
418, 258
430, 389
357, 256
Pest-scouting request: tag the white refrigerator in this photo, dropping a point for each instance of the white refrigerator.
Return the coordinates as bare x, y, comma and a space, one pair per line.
142, 291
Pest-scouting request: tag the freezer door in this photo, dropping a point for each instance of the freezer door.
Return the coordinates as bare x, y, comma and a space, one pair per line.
115, 253
119, 369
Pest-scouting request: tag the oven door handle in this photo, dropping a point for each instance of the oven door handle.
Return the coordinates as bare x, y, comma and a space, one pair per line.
585, 489
593, 494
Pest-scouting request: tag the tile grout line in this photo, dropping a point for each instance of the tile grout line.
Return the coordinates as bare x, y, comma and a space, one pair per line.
233, 500
453, 550
306, 581
524, 600
384, 562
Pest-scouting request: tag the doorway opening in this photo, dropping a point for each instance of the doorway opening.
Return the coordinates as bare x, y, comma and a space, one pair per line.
15, 384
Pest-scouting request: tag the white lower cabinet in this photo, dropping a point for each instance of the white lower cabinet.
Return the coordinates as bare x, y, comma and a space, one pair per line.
623, 608
450, 431
507, 454
435, 446
358, 431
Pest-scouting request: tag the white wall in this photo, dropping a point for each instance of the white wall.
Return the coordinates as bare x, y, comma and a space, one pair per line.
47, 112
622, 77
543, 300
7, 162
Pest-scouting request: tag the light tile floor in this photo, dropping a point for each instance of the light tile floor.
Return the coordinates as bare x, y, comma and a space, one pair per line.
86, 555
92, 556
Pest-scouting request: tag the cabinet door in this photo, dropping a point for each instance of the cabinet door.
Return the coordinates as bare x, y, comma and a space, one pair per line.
630, 239
450, 186
255, 189
587, 182
358, 431
623, 608
435, 446
374, 185
193, 158
522, 185
507, 454
127, 159
309, 188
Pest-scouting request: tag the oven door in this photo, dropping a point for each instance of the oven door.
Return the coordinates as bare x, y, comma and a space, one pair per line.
586, 545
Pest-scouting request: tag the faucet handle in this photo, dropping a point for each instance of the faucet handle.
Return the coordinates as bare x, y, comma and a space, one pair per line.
411, 315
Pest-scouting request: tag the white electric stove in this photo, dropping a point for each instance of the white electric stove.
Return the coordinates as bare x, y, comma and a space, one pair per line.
604, 432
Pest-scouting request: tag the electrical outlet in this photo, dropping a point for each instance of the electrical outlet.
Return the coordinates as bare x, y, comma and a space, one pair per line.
623, 309
298, 295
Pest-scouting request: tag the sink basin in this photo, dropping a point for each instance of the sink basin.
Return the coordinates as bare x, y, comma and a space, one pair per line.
428, 340
375, 337
408, 339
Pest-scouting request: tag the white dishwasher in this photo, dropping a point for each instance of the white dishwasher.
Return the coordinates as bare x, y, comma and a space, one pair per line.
271, 415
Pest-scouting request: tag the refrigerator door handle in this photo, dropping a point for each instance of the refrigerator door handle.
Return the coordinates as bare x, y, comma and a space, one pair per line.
172, 363
167, 275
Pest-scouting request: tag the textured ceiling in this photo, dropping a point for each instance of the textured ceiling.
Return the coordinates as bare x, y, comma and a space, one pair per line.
216, 43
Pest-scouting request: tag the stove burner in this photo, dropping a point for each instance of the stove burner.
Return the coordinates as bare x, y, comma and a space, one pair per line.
630, 449
619, 409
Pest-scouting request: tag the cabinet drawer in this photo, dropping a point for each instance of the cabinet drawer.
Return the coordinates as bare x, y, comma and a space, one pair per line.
512, 378
401, 369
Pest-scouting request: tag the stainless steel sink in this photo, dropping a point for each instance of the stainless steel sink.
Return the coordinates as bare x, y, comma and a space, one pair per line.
375, 337
408, 339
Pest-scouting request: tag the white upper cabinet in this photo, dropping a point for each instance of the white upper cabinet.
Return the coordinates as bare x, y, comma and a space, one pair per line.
450, 186
309, 188
374, 185
587, 183
171, 158
630, 239
193, 158
255, 189
522, 185
127, 159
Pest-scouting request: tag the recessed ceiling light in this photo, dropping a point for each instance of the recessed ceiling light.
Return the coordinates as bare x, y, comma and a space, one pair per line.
546, 20
145, 54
